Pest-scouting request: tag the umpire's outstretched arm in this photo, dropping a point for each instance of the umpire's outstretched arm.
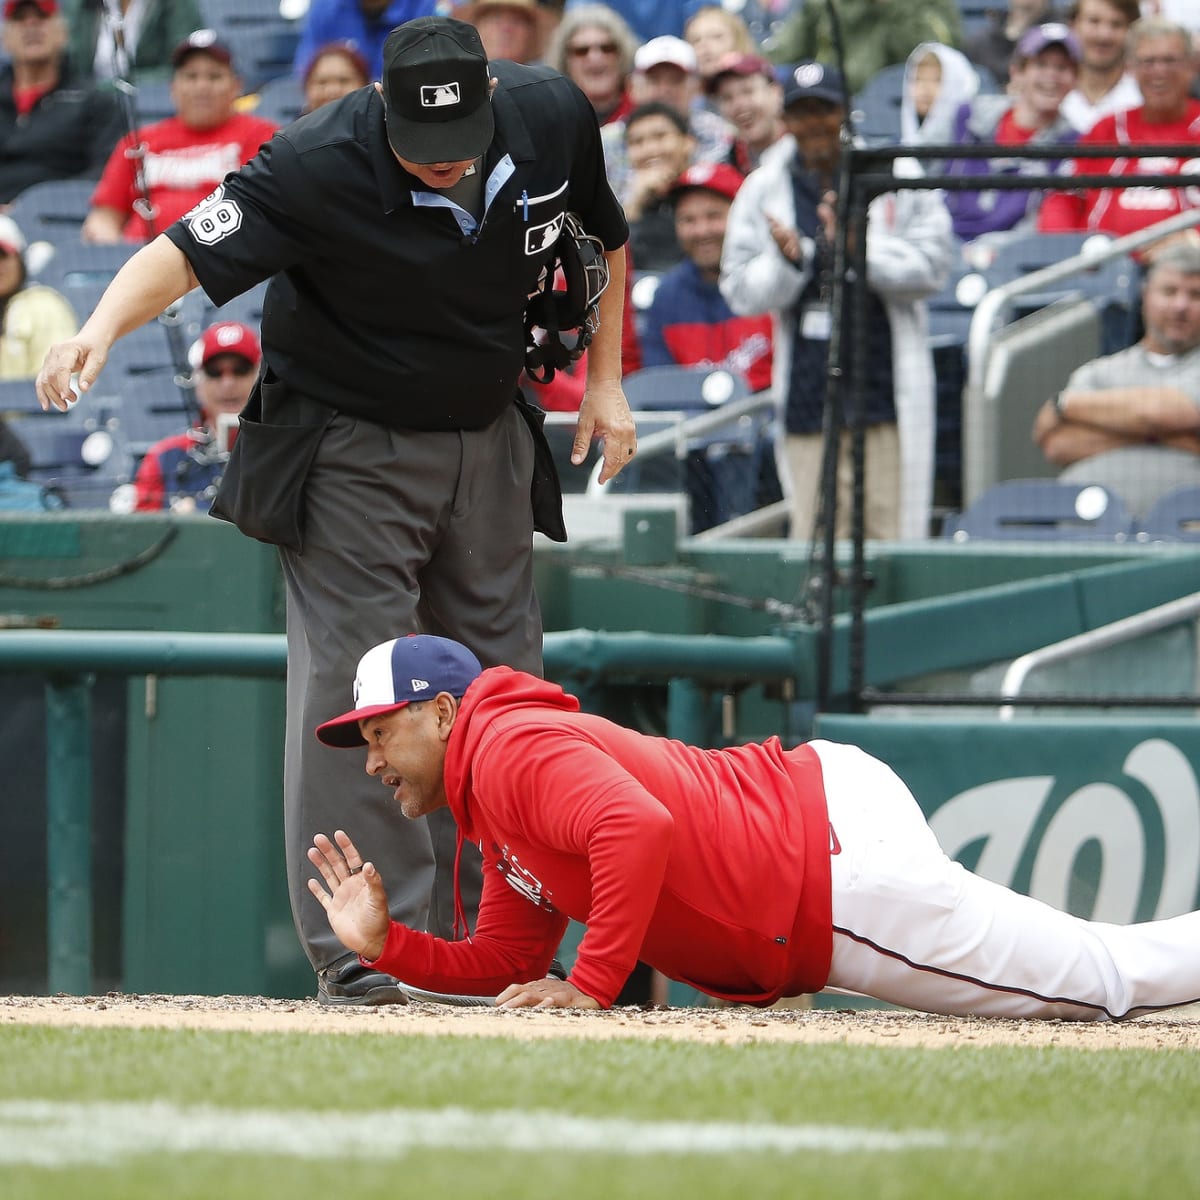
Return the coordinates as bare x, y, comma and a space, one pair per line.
156, 276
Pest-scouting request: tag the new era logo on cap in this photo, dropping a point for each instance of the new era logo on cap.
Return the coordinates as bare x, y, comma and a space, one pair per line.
399, 672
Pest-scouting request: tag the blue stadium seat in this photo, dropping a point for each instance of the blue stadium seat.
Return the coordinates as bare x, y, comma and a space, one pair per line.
80, 455
1113, 286
876, 109
724, 468
220, 14
152, 101
147, 349
262, 52
1175, 518
1042, 510
82, 272
145, 406
53, 211
17, 396
280, 100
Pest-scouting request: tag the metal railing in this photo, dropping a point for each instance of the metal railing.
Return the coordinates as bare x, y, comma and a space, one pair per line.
676, 441
1153, 619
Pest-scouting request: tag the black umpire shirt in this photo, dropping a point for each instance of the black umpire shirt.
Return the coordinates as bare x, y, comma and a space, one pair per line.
381, 303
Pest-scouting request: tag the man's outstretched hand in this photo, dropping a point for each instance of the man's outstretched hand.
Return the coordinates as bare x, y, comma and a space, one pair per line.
544, 993
356, 903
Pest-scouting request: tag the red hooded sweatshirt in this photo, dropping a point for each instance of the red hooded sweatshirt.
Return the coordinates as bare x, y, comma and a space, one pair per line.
710, 865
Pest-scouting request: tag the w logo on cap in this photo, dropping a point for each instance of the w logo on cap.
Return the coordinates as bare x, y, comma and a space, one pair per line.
438, 95
419, 685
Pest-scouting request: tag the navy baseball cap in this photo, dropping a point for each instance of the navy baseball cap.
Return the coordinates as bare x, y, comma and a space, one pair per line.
403, 671
813, 81
436, 91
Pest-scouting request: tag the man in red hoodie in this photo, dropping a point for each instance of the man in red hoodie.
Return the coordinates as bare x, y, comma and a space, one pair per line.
750, 873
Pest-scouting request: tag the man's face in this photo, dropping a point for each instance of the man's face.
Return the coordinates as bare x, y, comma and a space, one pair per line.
373, 8
12, 273
1042, 81
1171, 311
406, 749
817, 127
655, 142
666, 83
204, 90
31, 38
1164, 68
700, 220
1101, 30
332, 77
437, 175
926, 83
594, 63
223, 384
509, 33
710, 34
751, 104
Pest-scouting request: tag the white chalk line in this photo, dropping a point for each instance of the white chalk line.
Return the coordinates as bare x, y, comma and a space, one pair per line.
46, 1133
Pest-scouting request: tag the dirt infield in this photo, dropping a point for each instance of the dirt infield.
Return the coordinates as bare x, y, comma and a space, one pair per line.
1178, 1031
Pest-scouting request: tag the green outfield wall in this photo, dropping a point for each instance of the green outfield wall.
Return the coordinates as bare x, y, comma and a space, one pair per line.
1097, 813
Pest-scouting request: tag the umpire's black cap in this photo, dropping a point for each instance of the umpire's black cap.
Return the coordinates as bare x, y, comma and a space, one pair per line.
436, 91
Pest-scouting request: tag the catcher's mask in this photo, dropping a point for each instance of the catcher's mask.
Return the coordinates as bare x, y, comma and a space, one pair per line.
551, 313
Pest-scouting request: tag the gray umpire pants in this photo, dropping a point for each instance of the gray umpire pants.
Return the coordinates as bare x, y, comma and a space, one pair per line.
404, 533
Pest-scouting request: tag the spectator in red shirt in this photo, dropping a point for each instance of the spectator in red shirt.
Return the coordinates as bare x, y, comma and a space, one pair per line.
181, 472
186, 156
689, 323
1164, 66
1043, 71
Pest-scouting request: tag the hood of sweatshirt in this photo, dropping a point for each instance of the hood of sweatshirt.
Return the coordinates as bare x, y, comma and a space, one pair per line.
960, 83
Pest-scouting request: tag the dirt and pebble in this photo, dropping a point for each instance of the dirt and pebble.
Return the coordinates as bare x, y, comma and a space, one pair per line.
1179, 1030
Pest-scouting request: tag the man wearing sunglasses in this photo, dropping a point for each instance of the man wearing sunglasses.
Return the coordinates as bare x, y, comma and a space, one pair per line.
181, 472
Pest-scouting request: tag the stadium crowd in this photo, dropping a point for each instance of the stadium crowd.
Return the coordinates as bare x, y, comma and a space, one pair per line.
693, 99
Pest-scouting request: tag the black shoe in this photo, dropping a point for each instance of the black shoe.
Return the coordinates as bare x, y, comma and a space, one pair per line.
557, 970
348, 982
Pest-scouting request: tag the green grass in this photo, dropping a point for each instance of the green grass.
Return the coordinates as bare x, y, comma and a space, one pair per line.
1017, 1122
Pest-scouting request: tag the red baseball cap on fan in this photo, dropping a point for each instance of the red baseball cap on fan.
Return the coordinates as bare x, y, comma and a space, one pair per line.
707, 177
47, 8
225, 337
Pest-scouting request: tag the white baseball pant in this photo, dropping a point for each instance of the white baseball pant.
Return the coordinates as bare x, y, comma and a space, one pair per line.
914, 928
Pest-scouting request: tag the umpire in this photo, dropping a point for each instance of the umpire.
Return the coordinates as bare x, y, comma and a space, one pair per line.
386, 449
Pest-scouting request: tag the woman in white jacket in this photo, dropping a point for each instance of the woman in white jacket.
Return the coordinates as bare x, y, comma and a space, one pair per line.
778, 259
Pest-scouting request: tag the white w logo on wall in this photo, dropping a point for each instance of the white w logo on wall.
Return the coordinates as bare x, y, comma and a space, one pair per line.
1006, 815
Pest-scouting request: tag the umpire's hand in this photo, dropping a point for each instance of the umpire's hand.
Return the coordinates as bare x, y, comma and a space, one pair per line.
604, 413
79, 356
356, 903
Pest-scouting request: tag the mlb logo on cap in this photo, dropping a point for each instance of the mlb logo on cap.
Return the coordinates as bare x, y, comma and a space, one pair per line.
403, 671
438, 94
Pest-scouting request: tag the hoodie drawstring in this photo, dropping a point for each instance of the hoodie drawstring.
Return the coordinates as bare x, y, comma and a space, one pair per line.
461, 928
